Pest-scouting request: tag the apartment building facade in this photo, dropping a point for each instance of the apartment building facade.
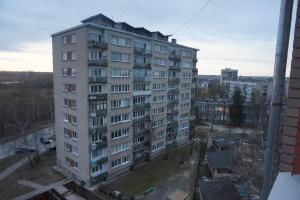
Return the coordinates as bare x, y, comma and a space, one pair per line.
228, 74
122, 96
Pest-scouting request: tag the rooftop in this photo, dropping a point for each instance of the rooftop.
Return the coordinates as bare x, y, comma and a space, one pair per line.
218, 189
221, 160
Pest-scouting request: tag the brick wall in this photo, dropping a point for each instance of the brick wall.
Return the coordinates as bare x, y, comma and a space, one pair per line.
290, 158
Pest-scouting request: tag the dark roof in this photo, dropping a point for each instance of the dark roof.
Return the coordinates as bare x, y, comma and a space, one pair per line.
225, 141
218, 189
101, 16
221, 160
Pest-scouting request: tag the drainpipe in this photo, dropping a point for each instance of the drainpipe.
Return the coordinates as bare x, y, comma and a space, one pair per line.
278, 89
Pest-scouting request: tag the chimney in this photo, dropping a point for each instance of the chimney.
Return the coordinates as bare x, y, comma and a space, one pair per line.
173, 41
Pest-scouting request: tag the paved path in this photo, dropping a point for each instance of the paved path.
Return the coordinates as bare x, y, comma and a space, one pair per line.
30, 184
11, 169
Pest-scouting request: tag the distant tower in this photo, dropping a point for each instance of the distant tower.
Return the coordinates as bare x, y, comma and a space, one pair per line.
228, 74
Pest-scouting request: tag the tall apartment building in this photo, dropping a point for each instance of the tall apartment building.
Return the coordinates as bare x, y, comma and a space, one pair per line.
122, 95
228, 74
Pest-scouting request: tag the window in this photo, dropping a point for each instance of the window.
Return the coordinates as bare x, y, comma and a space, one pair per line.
119, 88
68, 147
187, 64
96, 89
158, 111
158, 99
138, 140
95, 55
172, 85
139, 127
70, 103
70, 119
119, 133
139, 152
69, 39
97, 105
96, 72
159, 74
141, 73
158, 134
96, 168
185, 85
120, 118
139, 113
185, 96
174, 74
184, 105
74, 135
140, 45
187, 54
184, 116
184, 126
115, 72
159, 86
140, 87
70, 162
96, 37
69, 72
119, 148
158, 123
139, 100
157, 146
160, 61
75, 151
71, 55
96, 153
97, 137
160, 48
120, 41
186, 75
120, 161
98, 121
69, 88
120, 103
120, 57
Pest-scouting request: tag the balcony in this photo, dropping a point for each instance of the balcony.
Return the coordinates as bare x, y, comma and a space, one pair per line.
141, 79
173, 101
174, 91
99, 62
174, 56
194, 69
174, 79
141, 132
140, 106
172, 124
98, 79
145, 118
99, 161
173, 67
142, 65
195, 59
95, 113
142, 51
98, 44
98, 145
102, 96
102, 129
172, 112
141, 93
100, 177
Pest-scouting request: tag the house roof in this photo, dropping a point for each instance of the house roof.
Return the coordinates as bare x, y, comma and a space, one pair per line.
221, 160
218, 189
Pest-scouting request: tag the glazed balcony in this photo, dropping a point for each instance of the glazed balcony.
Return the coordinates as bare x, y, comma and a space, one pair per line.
98, 44
174, 79
142, 51
98, 145
102, 96
98, 79
98, 62
174, 56
140, 106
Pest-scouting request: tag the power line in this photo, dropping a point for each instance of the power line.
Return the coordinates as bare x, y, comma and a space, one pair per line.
194, 15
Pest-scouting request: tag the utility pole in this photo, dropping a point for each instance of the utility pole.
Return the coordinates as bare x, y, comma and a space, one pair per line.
278, 89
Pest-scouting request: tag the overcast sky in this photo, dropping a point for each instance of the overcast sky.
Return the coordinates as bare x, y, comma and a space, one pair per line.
239, 34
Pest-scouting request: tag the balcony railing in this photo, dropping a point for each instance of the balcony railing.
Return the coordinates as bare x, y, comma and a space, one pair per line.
98, 79
145, 118
98, 96
142, 93
173, 79
99, 62
173, 67
102, 129
172, 124
99, 161
172, 112
141, 132
142, 65
94, 113
98, 44
99, 177
174, 56
98, 145
173, 101
142, 51
174, 91
140, 106
141, 79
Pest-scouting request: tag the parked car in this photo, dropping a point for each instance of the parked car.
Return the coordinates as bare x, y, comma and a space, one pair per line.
24, 149
46, 139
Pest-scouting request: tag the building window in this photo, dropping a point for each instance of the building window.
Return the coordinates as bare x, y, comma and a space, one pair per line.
120, 118
119, 88
97, 122
158, 99
139, 100
140, 87
139, 127
158, 134
187, 64
120, 161
97, 72
120, 103
159, 74
71, 55
97, 105
69, 39
160, 61
139, 113
69, 88
96, 89
70, 119
119, 133
159, 86
158, 111
158, 123
115, 72
157, 146
119, 148
120, 41
160, 48
96, 168
70, 103
75, 151
138, 140
120, 57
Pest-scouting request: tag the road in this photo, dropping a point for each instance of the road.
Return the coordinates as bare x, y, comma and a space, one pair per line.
8, 148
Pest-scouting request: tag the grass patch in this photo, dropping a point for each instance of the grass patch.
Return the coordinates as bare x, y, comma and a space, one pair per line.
41, 173
8, 161
151, 174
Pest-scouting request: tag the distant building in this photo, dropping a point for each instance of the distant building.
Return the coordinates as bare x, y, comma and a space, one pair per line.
218, 111
247, 88
228, 74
